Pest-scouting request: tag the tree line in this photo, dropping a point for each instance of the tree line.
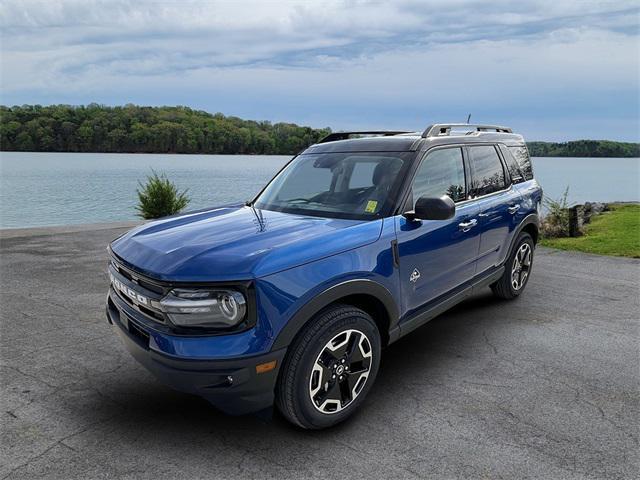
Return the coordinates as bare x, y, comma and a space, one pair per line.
136, 129
584, 148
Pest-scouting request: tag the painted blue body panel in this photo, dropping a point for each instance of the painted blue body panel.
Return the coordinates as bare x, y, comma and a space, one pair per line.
444, 255
497, 225
531, 194
236, 243
283, 294
215, 347
250, 342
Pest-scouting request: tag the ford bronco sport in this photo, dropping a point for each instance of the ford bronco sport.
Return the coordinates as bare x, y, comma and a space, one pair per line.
289, 298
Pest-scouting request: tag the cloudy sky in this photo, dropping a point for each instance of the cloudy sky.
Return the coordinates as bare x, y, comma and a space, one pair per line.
554, 70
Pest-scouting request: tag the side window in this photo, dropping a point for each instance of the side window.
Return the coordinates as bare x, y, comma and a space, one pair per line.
488, 173
517, 176
441, 173
521, 154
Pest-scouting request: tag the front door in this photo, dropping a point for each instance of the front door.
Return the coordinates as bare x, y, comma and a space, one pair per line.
437, 255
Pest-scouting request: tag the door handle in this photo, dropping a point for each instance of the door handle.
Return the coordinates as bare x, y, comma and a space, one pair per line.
514, 209
466, 226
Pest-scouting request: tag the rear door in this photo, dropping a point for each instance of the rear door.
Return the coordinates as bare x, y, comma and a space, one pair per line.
498, 202
436, 256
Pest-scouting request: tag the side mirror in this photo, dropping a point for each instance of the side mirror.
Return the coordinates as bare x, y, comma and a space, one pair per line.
431, 208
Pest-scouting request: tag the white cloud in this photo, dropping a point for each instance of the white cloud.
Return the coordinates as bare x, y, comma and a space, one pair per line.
346, 54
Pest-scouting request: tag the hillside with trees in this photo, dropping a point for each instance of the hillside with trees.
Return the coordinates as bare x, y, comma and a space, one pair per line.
584, 148
136, 129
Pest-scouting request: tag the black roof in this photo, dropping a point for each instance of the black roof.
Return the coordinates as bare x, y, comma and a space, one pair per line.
407, 142
395, 143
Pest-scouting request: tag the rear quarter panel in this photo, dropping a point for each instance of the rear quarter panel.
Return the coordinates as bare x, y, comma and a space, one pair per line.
531, 204
531, 193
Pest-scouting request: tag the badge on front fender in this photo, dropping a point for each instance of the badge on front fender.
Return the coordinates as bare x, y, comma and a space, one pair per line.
415, 275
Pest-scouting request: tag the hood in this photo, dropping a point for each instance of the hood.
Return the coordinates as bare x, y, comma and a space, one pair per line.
237, 243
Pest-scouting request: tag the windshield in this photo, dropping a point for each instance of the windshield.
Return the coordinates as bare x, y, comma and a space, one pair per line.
343, 185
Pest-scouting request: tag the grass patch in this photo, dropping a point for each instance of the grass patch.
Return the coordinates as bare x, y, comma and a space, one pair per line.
616, 232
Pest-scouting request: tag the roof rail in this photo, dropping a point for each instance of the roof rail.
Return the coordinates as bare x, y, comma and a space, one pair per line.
332, 137
443, 129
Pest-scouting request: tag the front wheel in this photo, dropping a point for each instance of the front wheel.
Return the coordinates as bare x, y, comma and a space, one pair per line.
329, 368
517, 269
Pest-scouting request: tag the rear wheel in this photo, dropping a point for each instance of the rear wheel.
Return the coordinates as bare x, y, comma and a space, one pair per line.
517, 269
329, 368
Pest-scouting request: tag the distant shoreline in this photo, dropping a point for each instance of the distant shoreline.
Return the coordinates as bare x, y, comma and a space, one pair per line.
181, 130
260, 154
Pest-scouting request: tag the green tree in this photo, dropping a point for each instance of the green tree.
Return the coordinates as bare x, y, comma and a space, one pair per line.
132, 128
159, 197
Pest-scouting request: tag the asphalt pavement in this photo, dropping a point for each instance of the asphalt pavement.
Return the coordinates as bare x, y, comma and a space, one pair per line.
546, 386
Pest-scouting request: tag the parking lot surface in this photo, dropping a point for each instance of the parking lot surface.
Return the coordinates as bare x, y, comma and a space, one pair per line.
546, 386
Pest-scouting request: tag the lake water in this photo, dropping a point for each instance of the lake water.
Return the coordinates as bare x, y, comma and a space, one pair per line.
38, 189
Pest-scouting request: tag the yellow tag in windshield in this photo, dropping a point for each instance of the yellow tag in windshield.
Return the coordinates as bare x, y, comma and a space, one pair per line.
371, 206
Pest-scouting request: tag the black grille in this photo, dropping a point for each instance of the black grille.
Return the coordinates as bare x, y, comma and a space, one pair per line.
152, 291
147, 285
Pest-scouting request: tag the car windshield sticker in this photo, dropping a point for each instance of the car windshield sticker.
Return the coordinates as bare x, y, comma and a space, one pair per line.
371, 206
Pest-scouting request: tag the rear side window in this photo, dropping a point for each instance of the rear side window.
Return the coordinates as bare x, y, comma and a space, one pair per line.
488, 173
521, 156
517, 176
441, 173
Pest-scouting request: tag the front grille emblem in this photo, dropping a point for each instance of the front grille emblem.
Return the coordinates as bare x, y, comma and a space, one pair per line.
132, 295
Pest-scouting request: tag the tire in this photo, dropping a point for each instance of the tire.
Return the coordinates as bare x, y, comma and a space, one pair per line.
316, 389
519, 264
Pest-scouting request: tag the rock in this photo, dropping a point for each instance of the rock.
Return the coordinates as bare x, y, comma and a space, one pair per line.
593, 208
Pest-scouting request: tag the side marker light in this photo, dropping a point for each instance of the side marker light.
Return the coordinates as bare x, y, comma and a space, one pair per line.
266, 367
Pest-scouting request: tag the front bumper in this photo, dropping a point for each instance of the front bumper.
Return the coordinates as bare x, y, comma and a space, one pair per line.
232, 385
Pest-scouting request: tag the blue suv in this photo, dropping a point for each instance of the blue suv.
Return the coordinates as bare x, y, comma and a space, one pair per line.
357, 241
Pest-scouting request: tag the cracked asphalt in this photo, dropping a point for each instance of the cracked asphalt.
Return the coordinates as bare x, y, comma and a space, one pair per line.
546, 386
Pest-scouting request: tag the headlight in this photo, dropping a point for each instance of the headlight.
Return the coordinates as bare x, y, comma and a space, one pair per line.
205, 308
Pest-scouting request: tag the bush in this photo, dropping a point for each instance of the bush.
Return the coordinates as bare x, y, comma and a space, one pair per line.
556, 221
159, 197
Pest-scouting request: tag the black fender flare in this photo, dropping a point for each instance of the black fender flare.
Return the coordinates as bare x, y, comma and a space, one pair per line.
330, 295
531, 219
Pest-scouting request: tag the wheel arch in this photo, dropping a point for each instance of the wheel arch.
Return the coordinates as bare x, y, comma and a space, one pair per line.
530, 224
532, 229
368, 295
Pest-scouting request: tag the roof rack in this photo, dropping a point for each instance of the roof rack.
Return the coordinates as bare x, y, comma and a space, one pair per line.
444, 129
332, 137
